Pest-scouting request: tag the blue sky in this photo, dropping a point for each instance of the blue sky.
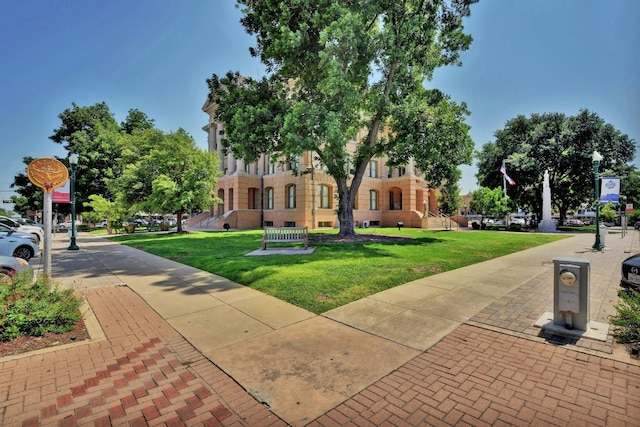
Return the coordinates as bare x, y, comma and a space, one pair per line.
528, 57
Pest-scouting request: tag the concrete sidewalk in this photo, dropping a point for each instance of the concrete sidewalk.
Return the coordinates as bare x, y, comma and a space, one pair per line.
455, 348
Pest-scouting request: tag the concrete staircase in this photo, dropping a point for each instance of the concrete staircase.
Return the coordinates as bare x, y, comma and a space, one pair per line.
204, 221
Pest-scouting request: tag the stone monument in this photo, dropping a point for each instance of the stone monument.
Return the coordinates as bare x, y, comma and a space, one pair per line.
546, 225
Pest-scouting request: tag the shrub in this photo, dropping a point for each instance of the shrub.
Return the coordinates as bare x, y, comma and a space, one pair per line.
515, 227
627, 322
164, 226
32, 309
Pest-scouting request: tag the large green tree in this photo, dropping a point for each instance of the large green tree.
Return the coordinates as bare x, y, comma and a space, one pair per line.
92, 133
489, 202
336, 67
165, 173
561, 144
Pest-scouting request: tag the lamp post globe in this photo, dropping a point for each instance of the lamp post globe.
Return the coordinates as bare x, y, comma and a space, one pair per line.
73, 161
597, 157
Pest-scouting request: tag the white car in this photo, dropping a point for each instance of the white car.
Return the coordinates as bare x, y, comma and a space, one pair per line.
18, 247
32, 229
64, 226
8, 231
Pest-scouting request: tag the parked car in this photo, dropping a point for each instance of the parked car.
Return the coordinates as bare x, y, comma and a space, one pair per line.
24, 221
33, 229
631, 273
10, 266
64, 226
8, 231
101, 224
637, 225
18, 247
574, 222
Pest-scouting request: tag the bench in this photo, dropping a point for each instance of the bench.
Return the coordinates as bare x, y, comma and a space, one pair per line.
284, 235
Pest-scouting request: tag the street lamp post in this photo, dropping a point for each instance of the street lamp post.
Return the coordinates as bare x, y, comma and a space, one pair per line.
73, 161
597, 157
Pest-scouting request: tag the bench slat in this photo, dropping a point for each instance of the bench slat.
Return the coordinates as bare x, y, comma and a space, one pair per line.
285, 234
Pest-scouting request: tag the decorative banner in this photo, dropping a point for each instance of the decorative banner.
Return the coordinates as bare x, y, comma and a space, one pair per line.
47, 173
610, 190
62, 194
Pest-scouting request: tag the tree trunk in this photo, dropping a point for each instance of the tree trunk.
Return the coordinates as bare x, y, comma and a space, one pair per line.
345, 208
179, 221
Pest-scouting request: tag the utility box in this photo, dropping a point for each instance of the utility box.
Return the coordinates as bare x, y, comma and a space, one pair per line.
571, 293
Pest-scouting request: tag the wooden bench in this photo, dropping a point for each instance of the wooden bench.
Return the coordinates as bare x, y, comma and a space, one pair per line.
284, 235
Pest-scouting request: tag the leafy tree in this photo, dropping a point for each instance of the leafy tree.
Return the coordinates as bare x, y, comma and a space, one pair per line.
449, 197
92, 133
563, 146
114, 212
338, 67
136, 120
166, 173
489, 203
608, 213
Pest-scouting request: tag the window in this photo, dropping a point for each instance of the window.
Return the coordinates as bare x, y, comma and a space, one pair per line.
324, 193
294, 163
401, 171
351, 167
291, 196
272, 169
253, 198
373, 200
373, 168
269, 192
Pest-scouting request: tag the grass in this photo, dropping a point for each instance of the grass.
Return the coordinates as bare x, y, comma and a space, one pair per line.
336, 273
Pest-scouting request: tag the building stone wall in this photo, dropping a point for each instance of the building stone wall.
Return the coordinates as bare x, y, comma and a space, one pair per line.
402, 195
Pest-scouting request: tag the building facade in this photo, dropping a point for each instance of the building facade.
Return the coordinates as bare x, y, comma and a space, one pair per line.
268, 193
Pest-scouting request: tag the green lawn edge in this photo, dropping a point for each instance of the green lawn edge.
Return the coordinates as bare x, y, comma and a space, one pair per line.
335, 274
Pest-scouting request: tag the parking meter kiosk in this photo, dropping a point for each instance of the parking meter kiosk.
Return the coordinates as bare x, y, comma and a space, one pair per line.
571, 293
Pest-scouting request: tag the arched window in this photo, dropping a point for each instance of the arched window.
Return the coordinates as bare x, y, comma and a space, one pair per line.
269, 195
324, 193
373, 200
290, 196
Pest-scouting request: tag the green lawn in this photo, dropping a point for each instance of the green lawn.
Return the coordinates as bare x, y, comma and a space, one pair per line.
336, 273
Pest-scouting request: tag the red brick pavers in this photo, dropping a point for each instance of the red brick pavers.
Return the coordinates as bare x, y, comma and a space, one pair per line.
477, 377
145, 373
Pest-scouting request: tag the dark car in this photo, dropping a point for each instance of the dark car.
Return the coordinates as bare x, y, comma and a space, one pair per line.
631, 273
637, 225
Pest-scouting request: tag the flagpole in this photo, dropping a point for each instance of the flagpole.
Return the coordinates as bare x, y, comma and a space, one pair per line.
504, 182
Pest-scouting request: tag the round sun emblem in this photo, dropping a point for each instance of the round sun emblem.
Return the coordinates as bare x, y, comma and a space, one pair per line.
47, 173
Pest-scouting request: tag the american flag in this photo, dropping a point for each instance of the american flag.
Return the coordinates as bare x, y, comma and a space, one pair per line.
503, 171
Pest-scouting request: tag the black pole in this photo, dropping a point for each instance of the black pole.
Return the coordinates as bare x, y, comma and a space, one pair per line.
72, 245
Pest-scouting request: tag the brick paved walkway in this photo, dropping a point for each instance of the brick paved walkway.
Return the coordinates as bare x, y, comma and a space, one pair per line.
143, 374
479, 377
495, 370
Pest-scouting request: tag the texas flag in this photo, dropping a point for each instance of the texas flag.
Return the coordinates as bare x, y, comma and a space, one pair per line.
503, 171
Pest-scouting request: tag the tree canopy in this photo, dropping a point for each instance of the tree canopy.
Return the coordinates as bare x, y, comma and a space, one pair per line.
561, 144
126, 166
165, 173
336, 68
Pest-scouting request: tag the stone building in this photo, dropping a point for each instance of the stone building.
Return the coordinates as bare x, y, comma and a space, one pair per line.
268, 193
